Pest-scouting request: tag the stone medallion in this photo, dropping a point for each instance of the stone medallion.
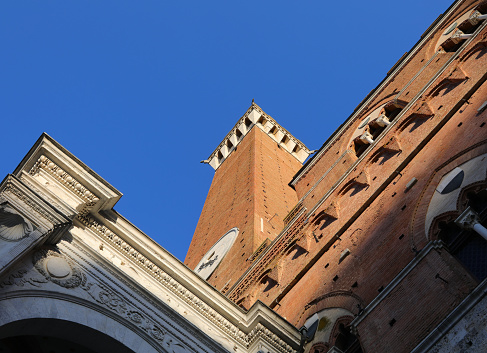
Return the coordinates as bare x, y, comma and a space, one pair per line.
58, 269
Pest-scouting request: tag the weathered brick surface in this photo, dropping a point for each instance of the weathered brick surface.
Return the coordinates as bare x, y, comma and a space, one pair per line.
362, 226
378, 252
416, 305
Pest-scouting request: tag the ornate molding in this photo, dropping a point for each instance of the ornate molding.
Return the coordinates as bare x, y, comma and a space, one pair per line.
62, 271
44, 219
180, 290
58, 269
65, 179
18, 279
10, 188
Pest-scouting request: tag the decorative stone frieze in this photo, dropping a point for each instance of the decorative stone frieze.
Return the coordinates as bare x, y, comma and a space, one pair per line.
178, 289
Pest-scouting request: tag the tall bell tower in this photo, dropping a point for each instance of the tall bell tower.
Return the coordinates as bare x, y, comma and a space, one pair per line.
248, 199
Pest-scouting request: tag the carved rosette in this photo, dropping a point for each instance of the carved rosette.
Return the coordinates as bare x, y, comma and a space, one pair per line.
13, 226
58, 269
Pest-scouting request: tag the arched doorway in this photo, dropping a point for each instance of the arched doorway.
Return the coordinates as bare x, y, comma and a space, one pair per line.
41, 322
55, 336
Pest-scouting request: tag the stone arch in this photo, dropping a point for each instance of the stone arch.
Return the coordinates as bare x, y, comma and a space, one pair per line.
30, 335
463, 21
455, 192
385, 105
337, 338
330, 327
345, 300
28, 309
417, 227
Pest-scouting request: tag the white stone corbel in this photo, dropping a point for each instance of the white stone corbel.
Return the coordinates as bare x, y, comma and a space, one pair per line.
279, 136
458, 36
254, 116
366, 138
290, 145
382, 121
476, 17
225, 150
268, 126
214, 162
234, 139
243, 128
301, 154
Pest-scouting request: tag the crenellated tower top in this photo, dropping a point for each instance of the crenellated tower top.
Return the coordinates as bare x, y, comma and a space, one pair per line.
255, 116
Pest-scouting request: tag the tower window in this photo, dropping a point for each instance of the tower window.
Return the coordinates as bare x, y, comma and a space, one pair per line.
374, 124
462, 29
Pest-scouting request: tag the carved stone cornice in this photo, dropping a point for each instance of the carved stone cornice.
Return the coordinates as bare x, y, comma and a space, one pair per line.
53, 266
76, 193
46, 219
62, 178
245, 335
65, 179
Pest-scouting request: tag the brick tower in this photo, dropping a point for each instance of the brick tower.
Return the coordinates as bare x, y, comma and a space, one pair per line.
248, 199
379, 242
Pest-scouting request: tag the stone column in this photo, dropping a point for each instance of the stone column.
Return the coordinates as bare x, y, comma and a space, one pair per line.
469, 219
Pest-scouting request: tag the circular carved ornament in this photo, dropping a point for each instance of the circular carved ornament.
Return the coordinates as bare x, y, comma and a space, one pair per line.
58, 268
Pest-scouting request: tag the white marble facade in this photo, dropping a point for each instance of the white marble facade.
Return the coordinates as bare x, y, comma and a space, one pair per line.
73, 268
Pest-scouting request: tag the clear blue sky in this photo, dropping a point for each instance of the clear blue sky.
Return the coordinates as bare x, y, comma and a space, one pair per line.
141, 91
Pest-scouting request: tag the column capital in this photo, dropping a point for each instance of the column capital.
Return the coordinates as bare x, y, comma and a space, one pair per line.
468, 219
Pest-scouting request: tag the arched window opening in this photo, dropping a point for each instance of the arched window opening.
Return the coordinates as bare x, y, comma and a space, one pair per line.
346, 341
463, 28
467, 246
387, 115
477, 200
359, 147
374, 125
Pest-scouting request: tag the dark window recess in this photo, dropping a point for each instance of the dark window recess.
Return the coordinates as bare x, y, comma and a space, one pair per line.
335, 278
346, 341
390, 111
467, 246
401, 236
392, 322
359, 147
